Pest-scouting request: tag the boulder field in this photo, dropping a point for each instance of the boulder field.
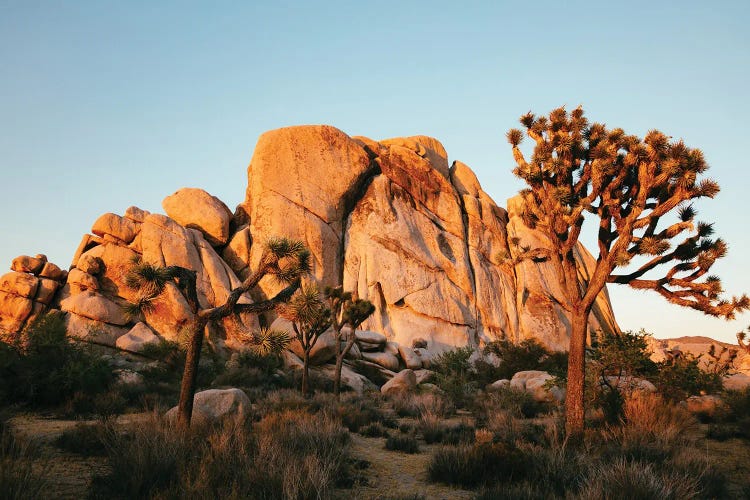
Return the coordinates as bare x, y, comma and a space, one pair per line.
393, 220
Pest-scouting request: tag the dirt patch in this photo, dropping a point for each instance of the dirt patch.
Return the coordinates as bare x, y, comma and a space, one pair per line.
394, 474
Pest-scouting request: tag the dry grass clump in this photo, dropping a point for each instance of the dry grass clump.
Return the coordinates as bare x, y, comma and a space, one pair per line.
20, 478
288, 454
625, 480
414, 405
406, 443
470, 466
435, 430
305, 453
85, 439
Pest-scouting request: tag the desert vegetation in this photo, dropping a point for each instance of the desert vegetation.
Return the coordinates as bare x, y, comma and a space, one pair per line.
468, 438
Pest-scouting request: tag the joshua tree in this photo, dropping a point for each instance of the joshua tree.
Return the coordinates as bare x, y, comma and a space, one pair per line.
310, 319
629, 184
285, 259
345, 311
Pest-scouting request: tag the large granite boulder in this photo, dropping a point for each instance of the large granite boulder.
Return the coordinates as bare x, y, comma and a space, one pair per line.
216, 404
195, 208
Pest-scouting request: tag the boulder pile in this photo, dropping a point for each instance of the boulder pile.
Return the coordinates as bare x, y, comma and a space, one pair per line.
393, 221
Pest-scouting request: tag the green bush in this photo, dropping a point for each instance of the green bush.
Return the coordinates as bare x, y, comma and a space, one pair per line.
681, 378
529, 354
45, 369
453, 374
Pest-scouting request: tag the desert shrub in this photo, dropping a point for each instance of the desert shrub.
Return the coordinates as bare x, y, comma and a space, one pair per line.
624, 479
732, 420
45, 369
373, 430
406, 443
517, 402
470, 466
681, 378
454, 375
291, 454
250, 369
413, 405
435, 430
616, 355
22, 475
359, 411
529, 354
306, 453
85, 439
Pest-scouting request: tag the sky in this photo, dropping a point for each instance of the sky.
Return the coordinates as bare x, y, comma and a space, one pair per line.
104, 104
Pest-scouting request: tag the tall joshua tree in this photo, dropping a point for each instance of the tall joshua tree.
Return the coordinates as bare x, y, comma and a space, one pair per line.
286, 260
629, 185
310, 319
345, 311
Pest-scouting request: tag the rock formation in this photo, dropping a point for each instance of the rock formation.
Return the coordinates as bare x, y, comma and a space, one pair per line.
393, 220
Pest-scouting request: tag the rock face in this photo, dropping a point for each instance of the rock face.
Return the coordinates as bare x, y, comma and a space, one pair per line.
711, 354
393, 221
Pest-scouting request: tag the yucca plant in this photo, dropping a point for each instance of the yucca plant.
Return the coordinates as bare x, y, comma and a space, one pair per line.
285, 259
346, 310
629, 185
310, 319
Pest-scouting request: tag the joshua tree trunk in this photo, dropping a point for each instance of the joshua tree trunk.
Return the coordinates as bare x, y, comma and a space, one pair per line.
189, 376
306, 375
339, 363
574, 407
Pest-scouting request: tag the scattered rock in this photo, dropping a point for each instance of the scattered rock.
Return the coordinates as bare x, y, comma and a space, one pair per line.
195, 208
499, 385
534, 382
137, 338
121, 228
94, 306
215, 404
27, 264
707, 404
403, 382
22, 284
322, 352
412, 360
387, 361
737, 382
368, 337
424, 376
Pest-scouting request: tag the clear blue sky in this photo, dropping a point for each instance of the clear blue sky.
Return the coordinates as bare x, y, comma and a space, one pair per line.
104, 105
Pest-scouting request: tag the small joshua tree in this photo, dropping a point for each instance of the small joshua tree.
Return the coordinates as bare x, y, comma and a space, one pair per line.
345, 311
310, 319
287, 260
629, 185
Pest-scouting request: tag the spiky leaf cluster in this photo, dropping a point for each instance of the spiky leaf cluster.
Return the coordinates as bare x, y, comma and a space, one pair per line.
285, 259
267, 341
630, 184
308, 313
